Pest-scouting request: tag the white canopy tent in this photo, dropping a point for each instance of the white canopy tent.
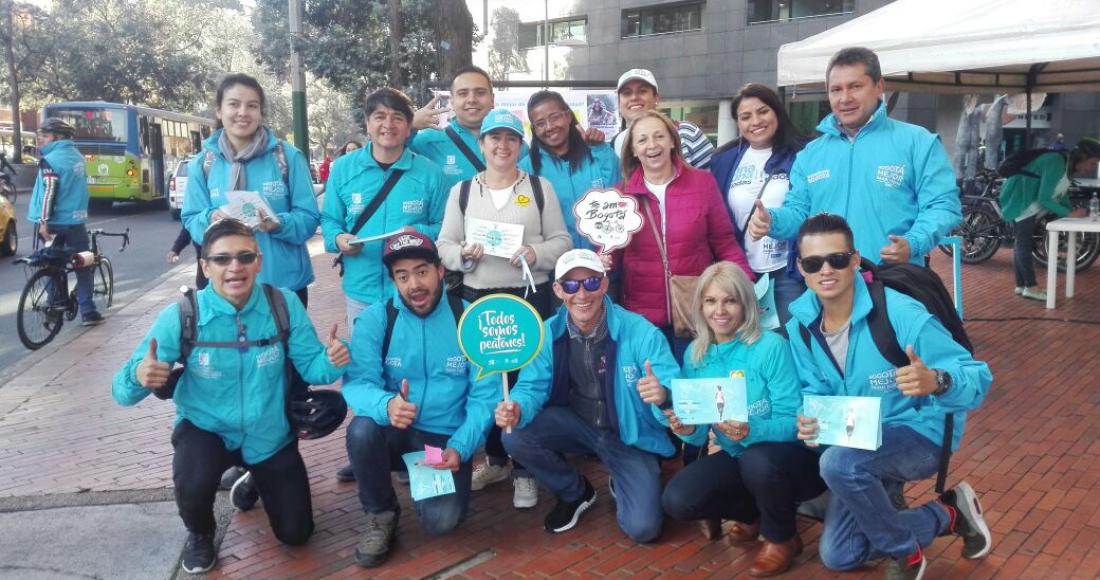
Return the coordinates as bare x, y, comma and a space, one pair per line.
964, 46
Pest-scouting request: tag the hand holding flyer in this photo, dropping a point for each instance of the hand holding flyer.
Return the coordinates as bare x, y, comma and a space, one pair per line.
246, 206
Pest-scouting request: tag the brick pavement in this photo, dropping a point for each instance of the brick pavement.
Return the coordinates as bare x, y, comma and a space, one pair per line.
1030, 453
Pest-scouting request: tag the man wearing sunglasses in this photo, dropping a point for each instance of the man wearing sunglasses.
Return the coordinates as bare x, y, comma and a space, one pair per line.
416, 389
231, 400
596, 387
840, 357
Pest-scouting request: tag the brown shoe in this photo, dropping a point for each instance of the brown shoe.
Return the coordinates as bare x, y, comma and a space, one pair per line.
775, 559
741, 533
712, 529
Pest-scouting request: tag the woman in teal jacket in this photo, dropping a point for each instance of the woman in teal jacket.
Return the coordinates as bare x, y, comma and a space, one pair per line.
761, 472
560, 153
243, 154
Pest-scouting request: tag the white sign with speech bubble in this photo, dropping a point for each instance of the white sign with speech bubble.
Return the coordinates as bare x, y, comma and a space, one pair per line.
607, 218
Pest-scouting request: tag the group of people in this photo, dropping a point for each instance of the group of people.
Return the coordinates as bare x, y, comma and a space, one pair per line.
397, 213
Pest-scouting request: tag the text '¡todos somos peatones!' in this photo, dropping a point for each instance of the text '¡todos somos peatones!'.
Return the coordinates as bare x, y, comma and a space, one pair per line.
499, 332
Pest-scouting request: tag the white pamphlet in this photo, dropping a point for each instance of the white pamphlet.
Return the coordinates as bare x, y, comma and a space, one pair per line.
246, 206
497, 238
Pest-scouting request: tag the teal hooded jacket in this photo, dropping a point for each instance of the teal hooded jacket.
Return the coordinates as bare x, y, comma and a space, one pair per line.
286, 260
237, 395
437, 146
601, 171
418, 200
70, 203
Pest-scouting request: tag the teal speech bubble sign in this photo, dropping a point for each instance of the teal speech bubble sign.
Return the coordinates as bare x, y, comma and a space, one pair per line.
500, 333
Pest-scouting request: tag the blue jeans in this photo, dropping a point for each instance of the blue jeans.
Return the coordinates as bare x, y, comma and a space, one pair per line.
637, 473
374, 450
861, 524
786, 290
765, 484
75, 239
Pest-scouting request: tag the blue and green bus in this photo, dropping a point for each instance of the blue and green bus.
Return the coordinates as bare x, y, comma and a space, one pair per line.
128, 149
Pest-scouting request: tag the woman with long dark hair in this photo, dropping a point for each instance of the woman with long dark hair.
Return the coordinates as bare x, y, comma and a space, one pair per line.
757, 167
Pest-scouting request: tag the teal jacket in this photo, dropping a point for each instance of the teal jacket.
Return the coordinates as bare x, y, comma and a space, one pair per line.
286, 260
437, 146
418, 200
868, 374
602, 171
774, 391
632, 340
893, 179
69, 203
443, 385
240, 396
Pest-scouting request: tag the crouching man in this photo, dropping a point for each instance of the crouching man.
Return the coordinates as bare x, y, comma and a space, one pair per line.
596, 387
410, 386
231, 404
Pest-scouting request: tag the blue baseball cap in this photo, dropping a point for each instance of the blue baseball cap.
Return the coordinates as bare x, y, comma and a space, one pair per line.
502, 119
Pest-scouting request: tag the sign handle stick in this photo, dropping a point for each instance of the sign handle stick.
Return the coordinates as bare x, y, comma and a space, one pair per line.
504, 386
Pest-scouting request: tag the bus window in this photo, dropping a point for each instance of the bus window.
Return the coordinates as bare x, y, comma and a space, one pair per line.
94, 125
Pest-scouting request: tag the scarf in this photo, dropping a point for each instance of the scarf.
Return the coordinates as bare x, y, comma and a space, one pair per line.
257, 147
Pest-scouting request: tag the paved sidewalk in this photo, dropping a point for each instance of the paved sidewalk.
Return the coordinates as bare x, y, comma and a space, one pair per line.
1032, 452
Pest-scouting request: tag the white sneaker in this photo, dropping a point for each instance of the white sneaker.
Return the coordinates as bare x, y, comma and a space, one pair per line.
485, 475
526, 493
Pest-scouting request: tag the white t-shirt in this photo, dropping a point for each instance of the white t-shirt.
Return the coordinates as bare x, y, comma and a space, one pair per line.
659, 191
500, 197
766, 254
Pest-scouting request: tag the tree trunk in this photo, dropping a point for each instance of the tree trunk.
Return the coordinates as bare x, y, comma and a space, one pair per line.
454, 28
396, 33
13, 83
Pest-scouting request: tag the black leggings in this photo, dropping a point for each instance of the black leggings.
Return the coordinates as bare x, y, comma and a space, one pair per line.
281, 479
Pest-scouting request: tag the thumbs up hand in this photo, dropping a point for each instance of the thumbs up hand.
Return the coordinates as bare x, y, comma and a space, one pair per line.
916, 379
650, 388
337, 351
897, 251
151, 373
400, 410
761, 222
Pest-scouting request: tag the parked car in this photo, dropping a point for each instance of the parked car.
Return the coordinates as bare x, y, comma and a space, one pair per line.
9, 238
177, 187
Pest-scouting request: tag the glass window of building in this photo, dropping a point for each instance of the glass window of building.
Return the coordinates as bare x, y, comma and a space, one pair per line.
662, 19
571, 30
779, 10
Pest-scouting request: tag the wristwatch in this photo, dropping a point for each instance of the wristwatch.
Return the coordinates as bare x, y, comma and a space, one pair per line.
943, 383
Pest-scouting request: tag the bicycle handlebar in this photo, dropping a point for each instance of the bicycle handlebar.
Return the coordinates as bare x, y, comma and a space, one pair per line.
124, 235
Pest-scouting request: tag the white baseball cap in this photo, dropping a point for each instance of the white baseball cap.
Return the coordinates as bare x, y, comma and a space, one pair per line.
577, 259
639, 74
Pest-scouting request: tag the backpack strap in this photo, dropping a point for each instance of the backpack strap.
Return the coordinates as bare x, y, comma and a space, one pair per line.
464, 195
277, 303
188, 313
536, 188
207, 162
391, 320
280, 159
455, 302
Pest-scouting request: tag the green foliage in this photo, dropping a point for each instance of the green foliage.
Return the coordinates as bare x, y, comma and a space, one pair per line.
504, 55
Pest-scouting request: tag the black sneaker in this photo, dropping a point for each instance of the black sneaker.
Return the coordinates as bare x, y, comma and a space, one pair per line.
198, 553
92, 318
967, 520
345, 475
374, 547
908, 568
244, 494
565, 515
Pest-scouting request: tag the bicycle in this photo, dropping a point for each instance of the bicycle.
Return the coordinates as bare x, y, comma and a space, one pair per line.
47, 301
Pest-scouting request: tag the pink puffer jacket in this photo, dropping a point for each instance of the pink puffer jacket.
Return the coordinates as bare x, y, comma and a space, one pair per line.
699, 233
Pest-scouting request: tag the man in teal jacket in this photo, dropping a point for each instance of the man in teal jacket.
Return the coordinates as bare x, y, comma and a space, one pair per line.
421, 391
597, 387
231, 406
59, 203
840, 357
415, 202
891, 180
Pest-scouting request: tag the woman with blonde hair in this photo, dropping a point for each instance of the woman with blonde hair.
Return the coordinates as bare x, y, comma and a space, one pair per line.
762, 472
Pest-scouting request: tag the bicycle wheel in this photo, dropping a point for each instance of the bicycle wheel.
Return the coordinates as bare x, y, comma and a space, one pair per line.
1088, 247
980, 233
37, 320
103, 284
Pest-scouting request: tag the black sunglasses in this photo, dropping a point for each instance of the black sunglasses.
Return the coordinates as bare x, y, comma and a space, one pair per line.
839, 260
591, 284
225, 259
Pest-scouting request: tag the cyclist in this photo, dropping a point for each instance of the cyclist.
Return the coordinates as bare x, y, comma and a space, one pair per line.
59, 203
5, 168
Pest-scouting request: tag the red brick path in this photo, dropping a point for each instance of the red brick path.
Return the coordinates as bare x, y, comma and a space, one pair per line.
1032, 452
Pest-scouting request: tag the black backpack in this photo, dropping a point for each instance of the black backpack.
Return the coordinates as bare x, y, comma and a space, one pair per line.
391, 318
925, 286
1014, 164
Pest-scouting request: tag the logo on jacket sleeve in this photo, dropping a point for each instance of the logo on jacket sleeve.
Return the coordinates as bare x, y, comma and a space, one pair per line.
413, 206
817, 176
890, 175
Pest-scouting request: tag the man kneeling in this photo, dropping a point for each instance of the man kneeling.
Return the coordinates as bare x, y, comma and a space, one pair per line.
594, 388
410, 386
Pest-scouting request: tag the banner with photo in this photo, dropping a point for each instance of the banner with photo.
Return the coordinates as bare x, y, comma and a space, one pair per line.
599, 109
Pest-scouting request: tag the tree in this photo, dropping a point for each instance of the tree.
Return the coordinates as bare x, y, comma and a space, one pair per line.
24, 44
504, 55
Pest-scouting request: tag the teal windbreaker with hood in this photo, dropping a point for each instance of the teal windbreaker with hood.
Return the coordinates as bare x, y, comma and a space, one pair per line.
601, 171
286, 260
868, 374
69, 203
443, 385
894, 178
418, 200
631, 341
239, 396
774, 391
